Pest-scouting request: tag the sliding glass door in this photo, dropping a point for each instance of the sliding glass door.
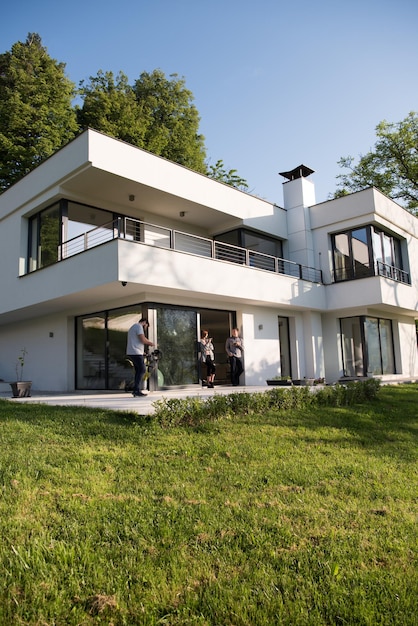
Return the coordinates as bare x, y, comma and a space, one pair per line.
101, 361
367, 346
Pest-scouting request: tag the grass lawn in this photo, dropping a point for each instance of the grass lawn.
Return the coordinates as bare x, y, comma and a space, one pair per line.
298, 517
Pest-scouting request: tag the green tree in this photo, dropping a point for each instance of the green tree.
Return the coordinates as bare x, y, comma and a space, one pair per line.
229, 177
110, 106
392, 167
36, 113
171, 118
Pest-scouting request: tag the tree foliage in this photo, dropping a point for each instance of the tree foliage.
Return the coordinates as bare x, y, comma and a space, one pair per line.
172, 120
392, 167
36, 113
156, 114
110, 106
229, 177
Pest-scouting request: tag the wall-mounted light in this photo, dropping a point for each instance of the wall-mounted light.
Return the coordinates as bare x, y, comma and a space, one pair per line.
131, 197
124, 283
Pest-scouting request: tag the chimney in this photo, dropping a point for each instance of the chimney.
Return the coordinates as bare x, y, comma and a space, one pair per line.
298, 196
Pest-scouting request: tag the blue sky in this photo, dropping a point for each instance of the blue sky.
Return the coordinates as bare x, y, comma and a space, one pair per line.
276, 83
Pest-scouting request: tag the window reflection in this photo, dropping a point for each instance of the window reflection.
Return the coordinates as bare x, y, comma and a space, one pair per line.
367, 346
365, 252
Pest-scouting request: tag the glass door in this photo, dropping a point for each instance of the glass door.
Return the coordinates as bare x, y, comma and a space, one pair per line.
367, 346
219, 324
352, 347
379, 342
91, 352
176, 338
284, 347
119, 368
178, 335
101, 345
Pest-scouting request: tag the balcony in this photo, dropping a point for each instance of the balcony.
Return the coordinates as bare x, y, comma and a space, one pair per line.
148, 234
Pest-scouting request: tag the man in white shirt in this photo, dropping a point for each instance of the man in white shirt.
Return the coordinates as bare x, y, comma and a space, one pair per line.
135, 344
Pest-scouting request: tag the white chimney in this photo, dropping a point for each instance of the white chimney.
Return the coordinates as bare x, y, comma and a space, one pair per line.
298, 196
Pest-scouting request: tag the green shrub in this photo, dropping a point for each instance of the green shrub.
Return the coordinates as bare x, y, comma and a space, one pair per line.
179, 412
290, 397
193, 411
371, 388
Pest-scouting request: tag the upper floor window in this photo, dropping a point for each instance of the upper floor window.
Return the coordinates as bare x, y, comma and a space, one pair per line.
44, 238
367, 251
62, 223
386, 249
253, 241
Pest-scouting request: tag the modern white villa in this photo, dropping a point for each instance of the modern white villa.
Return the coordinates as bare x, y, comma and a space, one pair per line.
103, 233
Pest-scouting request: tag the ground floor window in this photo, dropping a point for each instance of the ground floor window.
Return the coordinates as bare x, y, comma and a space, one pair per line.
367, 346
101, 361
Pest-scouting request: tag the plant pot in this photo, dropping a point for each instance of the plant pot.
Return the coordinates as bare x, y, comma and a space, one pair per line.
279, 383
21, 388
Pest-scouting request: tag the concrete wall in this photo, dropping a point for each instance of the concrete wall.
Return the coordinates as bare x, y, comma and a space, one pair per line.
49, 363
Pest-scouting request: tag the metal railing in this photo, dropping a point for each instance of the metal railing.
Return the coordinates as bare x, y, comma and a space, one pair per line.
364, 271
161, 237
390, 271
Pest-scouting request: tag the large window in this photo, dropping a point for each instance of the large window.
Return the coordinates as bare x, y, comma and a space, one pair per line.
367, 346
101, 345
253, 241
61, 223
44, 238
79, 219
352, 254
386, 248
367, 251
101, 349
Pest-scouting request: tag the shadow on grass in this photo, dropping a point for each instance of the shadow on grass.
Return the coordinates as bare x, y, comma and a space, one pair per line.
387, 424
68, 418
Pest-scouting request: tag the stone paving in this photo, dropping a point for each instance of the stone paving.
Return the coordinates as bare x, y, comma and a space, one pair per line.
122, 401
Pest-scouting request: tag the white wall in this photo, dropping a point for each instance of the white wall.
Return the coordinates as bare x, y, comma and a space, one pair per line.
138, 165
49, 363
260, 330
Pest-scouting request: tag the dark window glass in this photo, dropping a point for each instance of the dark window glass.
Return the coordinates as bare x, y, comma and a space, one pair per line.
365, 251
367, 346
342, 260
252, 241
44, 238
361, 252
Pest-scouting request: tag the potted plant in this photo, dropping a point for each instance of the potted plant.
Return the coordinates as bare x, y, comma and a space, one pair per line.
279, 381
21, 388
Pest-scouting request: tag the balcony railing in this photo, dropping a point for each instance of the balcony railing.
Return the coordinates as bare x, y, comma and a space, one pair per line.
160, 237
364, 271
390, 271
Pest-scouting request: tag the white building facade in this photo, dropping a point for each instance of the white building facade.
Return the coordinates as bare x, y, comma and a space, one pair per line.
103, 233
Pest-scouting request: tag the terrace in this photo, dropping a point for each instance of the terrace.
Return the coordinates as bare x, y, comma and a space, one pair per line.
148, 234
